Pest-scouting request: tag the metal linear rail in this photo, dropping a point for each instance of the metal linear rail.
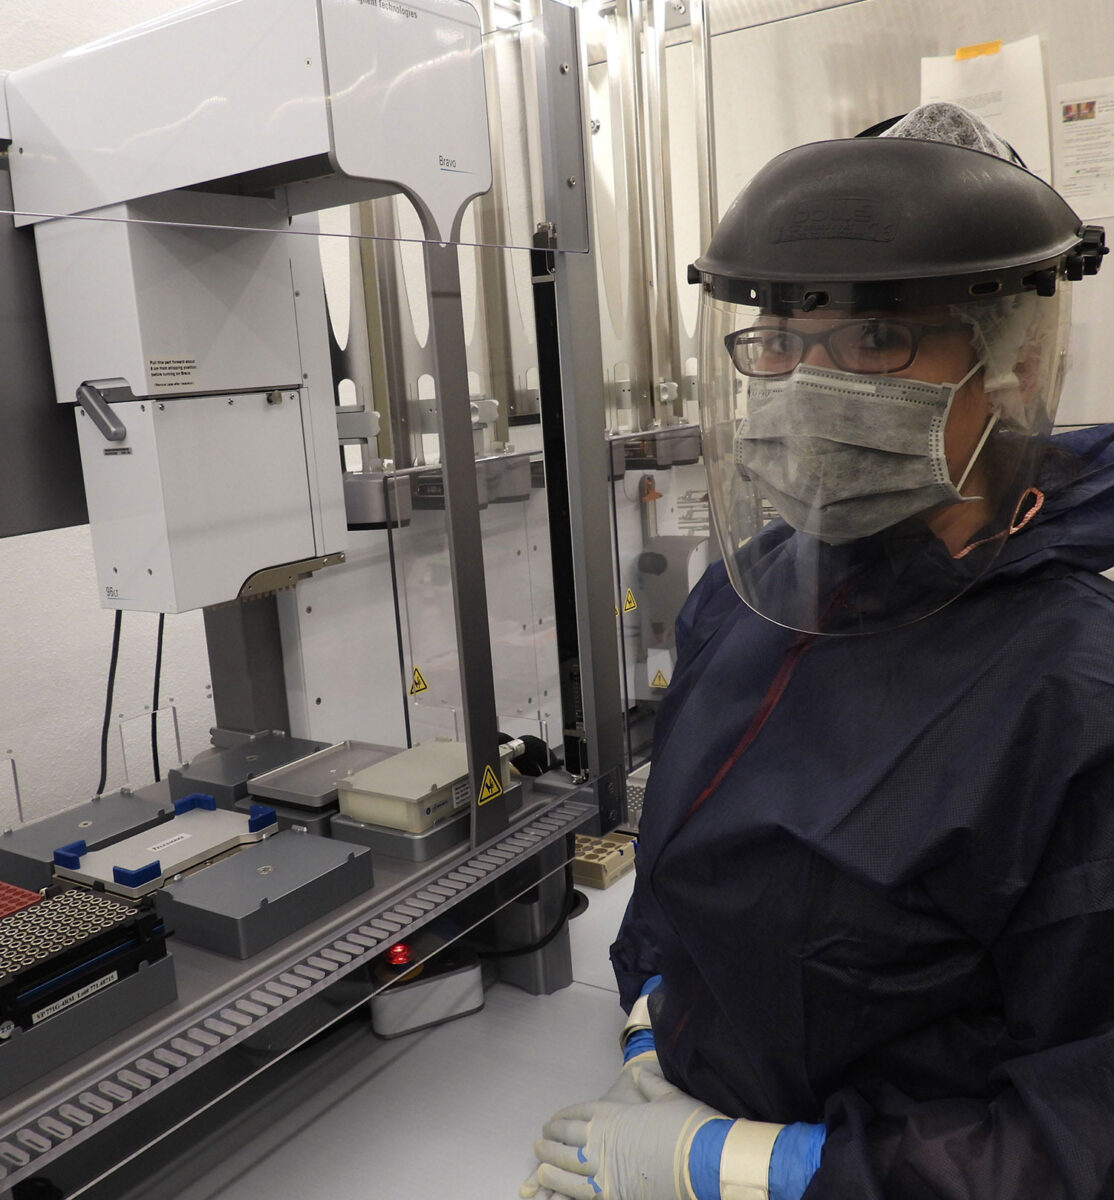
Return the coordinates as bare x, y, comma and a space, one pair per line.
89, 1100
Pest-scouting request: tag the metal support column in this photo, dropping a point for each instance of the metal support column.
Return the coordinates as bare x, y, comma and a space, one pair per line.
663, 327
705, 120
462, 511
571, 358
246, 666
562, 561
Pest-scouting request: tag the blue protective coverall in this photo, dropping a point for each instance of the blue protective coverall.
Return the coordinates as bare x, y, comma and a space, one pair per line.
877, 873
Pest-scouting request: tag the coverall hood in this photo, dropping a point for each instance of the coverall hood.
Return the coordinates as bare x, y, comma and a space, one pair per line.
1075, 523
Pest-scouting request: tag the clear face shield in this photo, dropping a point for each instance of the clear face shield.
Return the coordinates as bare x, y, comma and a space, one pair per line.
865, 469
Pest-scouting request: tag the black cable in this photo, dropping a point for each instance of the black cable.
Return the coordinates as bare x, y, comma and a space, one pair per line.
155, 699
566, 912
406, 684
108, 699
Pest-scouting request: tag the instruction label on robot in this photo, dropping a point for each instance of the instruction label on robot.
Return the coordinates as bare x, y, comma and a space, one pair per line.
630, 603
418, 683
659, 681
489, 786
172, 372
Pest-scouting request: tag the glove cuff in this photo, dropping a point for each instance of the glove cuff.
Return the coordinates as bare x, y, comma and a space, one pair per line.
640, 1042
638, 1020
744, 1167
690, 1161
705, 1154
796, 1158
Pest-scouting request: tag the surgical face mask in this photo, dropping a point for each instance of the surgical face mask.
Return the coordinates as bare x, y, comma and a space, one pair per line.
844, 456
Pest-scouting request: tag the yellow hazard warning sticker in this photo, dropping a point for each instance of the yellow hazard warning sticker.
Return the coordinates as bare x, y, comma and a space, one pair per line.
418, 684
659, 681
630, 603
489, 786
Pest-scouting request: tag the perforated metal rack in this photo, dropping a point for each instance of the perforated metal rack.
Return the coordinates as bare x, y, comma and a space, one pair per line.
222, 1002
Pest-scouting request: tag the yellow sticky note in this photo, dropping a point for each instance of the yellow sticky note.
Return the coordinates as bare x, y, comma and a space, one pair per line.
975, 51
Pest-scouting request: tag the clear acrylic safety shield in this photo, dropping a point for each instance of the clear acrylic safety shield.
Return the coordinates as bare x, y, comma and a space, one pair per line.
866, 469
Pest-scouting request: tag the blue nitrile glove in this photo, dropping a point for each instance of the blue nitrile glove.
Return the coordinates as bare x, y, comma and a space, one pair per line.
796, 1158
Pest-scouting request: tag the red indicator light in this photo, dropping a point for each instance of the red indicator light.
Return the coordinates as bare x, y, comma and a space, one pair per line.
399, 955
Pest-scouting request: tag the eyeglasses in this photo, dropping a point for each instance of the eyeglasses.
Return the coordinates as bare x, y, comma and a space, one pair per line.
868, 346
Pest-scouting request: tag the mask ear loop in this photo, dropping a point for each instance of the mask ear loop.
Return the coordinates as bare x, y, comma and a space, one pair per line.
978, 364
976, 452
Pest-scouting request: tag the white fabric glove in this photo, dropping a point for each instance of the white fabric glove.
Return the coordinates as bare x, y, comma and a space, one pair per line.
603, 1150
625, 1090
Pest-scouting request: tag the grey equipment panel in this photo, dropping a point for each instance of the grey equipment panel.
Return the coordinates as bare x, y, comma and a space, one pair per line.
27, 852
245, 902
431, 999
290, 816
399, 843
30, 1053
311, 782
39, 462
145, 862
224, 774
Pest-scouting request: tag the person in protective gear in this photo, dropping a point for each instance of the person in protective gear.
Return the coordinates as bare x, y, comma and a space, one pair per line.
876, 873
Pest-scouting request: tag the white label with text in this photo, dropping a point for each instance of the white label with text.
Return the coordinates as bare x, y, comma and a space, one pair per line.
82, 993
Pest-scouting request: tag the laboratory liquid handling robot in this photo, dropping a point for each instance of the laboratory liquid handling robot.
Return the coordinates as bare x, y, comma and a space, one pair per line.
173, 211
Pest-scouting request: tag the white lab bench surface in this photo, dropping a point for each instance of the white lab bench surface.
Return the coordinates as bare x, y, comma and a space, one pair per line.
451, 1111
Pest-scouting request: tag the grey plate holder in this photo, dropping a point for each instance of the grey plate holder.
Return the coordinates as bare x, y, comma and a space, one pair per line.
311, 782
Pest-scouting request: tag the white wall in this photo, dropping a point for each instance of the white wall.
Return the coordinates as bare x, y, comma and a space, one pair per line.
54, 637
